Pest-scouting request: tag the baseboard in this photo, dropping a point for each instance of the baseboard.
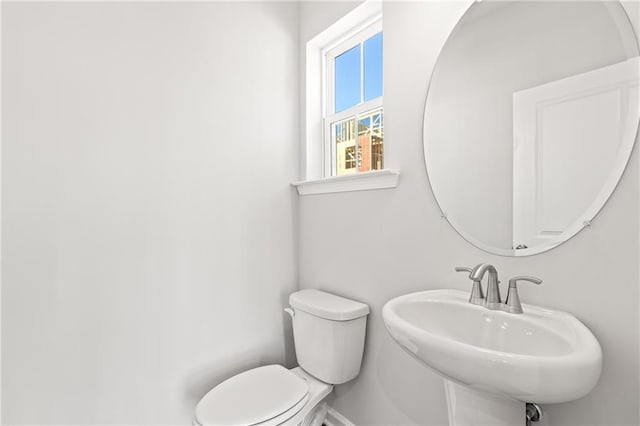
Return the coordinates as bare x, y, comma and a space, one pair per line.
336, 419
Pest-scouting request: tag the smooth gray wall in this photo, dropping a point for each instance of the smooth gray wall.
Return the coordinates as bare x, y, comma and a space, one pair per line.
399, 244
148, 224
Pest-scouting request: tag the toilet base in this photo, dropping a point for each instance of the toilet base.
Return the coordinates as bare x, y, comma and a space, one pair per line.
315, 410
317, 416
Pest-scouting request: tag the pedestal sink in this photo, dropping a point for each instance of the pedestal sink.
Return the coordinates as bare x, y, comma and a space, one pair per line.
493, 362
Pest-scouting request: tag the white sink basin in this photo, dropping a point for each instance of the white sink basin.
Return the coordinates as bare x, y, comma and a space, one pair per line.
541, 356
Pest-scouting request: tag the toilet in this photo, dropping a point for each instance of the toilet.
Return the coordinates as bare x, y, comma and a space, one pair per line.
328, 333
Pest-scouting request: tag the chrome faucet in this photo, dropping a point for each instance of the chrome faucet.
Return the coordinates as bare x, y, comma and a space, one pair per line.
477, 297
512, 302
493, 300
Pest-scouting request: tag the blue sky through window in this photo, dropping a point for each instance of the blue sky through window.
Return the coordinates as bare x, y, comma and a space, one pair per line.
373, 67
347, 74
347, 91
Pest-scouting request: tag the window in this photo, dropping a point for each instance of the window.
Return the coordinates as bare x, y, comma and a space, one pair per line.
342, 120
353, 113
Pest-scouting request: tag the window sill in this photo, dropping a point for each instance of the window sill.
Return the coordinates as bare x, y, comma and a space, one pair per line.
378, 179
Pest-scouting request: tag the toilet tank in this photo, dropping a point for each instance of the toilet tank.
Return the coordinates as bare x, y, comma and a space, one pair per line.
328, 332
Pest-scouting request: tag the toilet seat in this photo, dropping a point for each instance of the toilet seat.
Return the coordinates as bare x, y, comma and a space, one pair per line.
264, 396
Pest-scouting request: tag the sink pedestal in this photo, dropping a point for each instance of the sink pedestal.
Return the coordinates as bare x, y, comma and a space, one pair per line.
470, 407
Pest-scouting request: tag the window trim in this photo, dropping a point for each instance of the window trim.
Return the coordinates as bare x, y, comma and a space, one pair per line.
364, 181
311, 155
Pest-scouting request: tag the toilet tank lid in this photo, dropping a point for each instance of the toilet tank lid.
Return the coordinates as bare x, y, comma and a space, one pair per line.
327, 305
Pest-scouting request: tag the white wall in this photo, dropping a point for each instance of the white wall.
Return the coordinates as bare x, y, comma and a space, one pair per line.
148, 242
595, 275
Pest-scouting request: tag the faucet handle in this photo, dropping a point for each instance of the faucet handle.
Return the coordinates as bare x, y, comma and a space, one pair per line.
514, 280
512, 302
477, 297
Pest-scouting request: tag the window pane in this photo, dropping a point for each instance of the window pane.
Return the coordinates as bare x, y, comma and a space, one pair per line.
370, 141
345, 146
347, 79
373, 67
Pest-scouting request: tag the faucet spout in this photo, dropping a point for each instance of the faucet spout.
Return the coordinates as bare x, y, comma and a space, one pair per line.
478, 272
493, 299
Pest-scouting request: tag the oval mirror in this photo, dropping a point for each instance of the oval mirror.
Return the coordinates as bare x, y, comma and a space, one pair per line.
530, 119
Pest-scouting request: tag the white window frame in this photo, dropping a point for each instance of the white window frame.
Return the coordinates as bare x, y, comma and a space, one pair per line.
313, 102
358, 36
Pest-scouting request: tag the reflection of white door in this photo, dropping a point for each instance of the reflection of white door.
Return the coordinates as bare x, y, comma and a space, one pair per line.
568, 136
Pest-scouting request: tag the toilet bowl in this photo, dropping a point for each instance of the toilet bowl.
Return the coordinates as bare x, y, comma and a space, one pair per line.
328, 333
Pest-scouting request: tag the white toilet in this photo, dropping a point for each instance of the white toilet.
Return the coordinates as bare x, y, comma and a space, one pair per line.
328, 332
